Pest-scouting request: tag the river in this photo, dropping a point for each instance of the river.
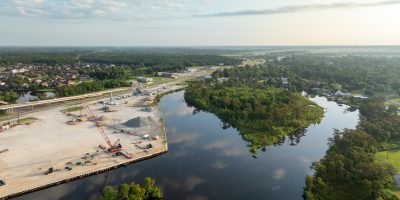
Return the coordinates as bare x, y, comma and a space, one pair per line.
207, 162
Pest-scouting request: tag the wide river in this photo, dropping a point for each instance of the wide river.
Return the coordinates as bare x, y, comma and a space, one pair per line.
207, 162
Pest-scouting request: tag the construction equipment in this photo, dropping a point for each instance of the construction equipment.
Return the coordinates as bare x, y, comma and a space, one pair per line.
2, 183
3, 150
109, 109
113, 148
51, 170
147, 109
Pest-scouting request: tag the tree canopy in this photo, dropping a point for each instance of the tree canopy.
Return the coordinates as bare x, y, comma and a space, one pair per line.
133, 191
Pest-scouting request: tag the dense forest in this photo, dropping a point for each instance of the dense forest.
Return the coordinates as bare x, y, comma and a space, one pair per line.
140, 57
348, 170
263, 114
371, 75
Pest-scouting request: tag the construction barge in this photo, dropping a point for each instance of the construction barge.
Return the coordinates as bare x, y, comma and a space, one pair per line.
97, 141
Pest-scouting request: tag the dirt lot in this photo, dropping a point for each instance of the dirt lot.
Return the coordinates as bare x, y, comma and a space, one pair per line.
51, 142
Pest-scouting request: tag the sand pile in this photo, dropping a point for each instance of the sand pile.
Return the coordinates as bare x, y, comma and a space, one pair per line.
140, 122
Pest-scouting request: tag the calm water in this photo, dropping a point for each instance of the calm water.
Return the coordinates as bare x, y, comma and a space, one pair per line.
206, 162
28, 96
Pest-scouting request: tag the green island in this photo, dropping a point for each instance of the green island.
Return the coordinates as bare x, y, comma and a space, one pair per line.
263, 115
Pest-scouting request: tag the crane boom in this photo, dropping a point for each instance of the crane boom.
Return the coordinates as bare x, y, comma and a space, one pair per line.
92, 115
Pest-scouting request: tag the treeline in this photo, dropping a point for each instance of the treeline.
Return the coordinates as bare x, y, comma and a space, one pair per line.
141, 57
8, 96
40, 55
89, 86
372, 75
133, 191
348, 170
109, 73
159, 60
263, 115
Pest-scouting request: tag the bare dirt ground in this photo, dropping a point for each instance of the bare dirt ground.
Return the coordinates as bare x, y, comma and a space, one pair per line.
51, 143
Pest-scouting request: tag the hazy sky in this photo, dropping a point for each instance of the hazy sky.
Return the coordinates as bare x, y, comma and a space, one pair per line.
199, 22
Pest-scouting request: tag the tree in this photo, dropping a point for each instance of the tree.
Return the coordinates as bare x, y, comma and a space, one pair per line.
152, 192
108, 194
123, 192
133, 191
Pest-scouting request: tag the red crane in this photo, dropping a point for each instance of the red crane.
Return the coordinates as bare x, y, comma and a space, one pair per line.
116, 147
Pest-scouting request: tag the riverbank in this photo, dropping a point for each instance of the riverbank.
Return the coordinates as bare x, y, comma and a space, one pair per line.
68, 151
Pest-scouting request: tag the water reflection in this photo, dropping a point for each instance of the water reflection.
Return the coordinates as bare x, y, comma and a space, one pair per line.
207, 162
27, 96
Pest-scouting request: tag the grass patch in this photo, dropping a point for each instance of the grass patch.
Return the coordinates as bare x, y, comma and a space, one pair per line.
357, 92
395, 102
72, 109
395, 190
46, 90
27, 120
393, 158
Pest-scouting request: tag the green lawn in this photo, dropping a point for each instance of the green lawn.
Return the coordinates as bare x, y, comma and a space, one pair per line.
27, 120
46, 90
357, 92
395, 102
392, 158
72, 109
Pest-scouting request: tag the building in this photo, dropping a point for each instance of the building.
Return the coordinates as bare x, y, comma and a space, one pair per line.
339, 93
285, 81
223, 79
167, 74
144, 80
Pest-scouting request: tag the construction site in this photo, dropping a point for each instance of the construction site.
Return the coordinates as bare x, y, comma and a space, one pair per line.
61, 144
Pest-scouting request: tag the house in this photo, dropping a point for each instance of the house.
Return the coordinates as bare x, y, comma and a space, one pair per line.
167, 74
339, 93
71, 82
360, 98
144, 80
223, 79
285, 81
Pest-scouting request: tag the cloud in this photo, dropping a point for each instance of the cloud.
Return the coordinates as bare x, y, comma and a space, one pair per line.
87, 9
175, 138
187, 184
192, 182
219, 165
279, 174
299, 8
226, 148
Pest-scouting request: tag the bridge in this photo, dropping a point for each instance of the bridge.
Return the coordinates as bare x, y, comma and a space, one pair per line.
12, 108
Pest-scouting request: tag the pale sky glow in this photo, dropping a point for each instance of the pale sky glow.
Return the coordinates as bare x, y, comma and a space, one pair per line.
198, 22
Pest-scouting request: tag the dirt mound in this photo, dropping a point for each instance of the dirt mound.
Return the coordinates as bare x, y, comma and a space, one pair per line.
140, 122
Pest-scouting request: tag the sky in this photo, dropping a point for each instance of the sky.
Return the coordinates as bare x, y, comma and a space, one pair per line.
199, 22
